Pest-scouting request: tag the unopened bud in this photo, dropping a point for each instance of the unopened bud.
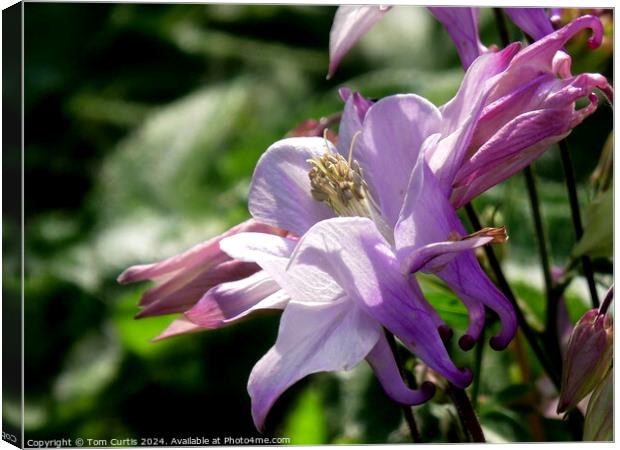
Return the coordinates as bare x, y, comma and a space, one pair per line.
587, 359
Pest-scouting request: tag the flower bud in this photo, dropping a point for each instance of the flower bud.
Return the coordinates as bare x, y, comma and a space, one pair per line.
600, 415
587, 359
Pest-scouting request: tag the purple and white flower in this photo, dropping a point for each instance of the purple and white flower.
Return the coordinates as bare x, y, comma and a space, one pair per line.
370, 213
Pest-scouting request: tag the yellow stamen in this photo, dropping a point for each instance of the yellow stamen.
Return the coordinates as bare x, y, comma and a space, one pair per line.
353, 139
340, 184
498, 234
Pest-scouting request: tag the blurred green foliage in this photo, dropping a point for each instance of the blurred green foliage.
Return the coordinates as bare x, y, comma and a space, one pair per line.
143, 125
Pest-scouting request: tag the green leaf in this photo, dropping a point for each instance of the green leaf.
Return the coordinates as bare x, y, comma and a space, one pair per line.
305, 424
136, 335
597, 239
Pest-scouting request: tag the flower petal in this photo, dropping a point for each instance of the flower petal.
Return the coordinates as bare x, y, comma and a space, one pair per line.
355, 110
533, 21
394, 131
230, 302
381, 359
354, 253
538, 57
317, 338
350, 23
422, 239
180, 294
178, 327
205, 253
462, 26
467, 279
461, 114
280, 191
306, 284
514, 147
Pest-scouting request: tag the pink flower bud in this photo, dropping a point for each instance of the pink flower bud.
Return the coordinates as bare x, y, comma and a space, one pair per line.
587, 359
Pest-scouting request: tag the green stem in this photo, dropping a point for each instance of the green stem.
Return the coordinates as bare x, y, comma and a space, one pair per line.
500, 21
530, 335
550, 337
475, 389
407, 412
571, 186
466, 412
607, 300
541, 236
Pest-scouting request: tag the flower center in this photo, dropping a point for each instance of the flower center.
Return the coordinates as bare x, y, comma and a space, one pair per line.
340, 184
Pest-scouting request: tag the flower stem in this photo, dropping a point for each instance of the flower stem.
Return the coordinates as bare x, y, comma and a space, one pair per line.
550, 337
500, 21
541, 238
571, 186
477, 372
530, 335
407, 412
607, 300
466, 412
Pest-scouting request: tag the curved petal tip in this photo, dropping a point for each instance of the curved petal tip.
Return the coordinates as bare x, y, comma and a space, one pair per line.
445, 332
467, 342
498, 343
583, 22
428, 389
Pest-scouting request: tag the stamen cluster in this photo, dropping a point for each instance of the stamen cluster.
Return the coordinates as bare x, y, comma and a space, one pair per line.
340, 184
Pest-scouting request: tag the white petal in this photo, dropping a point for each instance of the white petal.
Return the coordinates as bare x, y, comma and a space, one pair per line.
317, 338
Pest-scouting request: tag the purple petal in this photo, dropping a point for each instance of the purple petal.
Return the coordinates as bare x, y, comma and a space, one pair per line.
538, 57
544, 91
355, 254
467, 279
350, 23
178, 327
318, 338
181, 293
461, 114
305, 284
230, 302
423, 240
462, 26
555, 16
533, 21
476, 318
475, 82
395, 129
381, 359
514, 147
280, 191
205, 253
355, 110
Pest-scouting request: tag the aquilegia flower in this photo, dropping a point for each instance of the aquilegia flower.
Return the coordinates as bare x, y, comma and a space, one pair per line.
301, 181
530, 104
365, 227
351, 22
511, 106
